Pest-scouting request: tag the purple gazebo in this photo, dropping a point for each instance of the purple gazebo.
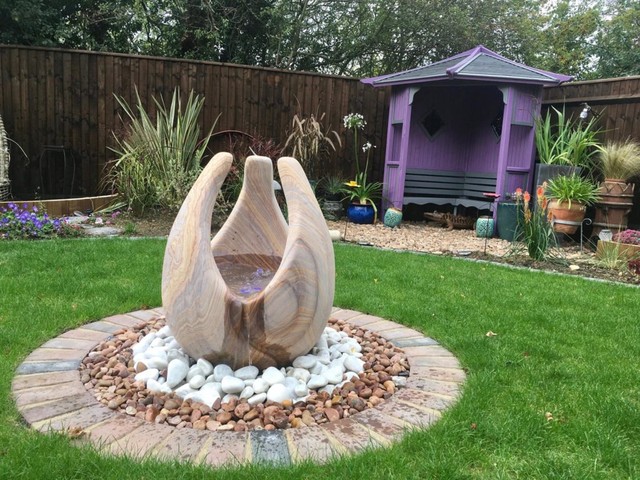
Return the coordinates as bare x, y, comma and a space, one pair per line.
461, 127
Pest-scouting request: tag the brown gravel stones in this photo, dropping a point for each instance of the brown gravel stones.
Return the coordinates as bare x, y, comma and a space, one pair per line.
108, 372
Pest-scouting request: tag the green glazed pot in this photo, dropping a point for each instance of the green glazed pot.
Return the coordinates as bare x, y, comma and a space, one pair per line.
392, 217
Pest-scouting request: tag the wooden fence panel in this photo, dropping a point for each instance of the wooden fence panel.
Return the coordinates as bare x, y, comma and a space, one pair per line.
67, 98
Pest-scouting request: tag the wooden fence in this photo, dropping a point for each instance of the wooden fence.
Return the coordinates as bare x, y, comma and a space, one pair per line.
52, 97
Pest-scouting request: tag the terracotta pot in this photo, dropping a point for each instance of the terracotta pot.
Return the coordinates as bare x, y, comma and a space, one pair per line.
616, 201
565, 219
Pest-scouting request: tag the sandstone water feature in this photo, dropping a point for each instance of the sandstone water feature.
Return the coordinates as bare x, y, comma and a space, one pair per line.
247, 312
266, 320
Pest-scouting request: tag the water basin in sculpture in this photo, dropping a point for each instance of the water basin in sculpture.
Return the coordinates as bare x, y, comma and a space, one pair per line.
247, 275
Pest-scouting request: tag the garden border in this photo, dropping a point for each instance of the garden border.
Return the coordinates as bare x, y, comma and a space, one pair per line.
50, 397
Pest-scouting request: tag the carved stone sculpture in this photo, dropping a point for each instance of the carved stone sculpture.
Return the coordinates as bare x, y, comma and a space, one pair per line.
261, 292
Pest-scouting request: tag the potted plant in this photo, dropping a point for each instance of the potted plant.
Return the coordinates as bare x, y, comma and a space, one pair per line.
619, 162
626, 244
570, 195
362, 197
332, 188
361, 193
564, 148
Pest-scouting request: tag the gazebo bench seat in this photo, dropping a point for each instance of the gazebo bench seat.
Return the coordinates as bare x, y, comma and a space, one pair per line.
441, 187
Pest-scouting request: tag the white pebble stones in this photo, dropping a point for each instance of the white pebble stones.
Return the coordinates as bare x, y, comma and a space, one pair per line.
334, 360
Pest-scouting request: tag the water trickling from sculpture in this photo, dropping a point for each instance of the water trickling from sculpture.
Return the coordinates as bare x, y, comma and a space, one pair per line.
260, 293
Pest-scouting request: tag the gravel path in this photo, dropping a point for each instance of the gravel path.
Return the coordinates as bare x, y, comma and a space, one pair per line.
420, 237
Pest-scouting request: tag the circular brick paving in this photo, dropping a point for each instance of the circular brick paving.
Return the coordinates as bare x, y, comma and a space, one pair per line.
50, 396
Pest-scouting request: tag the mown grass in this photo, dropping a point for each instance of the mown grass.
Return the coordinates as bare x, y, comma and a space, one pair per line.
564, 345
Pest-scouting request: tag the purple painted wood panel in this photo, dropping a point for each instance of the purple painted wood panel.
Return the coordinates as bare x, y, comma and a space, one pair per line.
395, 154
467, 141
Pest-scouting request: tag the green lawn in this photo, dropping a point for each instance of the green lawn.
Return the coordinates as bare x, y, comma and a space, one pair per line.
564, 345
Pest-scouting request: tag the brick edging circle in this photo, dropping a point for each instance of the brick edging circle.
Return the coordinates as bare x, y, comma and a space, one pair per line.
50, 397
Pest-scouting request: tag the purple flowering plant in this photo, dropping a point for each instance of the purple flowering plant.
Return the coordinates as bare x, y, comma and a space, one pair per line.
631, 237
21, 223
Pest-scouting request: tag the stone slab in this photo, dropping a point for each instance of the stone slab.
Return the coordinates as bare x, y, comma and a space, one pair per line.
381, 423
72, 343
43, 367
424, 399
184, 445
57, 407
402, 333
85, 334
363, 320
123, 320
439, 373
449, 362
353, 435
411, 415
31, 396
346, 315
313, 443
56, 354
112, 429
413, 342
140, 441
101, 326
144, 315
227, 448
269, 447
434, 386
77, 420
43, 379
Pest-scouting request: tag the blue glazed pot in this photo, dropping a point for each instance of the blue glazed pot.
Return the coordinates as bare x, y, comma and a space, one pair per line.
392, 217
357, 213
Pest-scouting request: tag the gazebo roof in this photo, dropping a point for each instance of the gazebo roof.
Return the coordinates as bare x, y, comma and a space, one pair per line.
479, 63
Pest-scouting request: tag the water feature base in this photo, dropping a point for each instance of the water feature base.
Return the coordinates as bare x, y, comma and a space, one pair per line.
50, 395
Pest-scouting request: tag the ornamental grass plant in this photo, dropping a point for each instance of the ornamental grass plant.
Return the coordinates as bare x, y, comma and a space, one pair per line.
619, 160
159, 158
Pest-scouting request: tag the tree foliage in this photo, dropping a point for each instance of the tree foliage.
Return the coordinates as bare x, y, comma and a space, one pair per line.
586, 38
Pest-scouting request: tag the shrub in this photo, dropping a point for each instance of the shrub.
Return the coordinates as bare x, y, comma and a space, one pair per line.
158, 161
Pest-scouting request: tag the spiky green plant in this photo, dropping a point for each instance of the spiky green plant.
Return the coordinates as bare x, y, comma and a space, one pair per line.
158, 161
573, 188
567, 142
620, 160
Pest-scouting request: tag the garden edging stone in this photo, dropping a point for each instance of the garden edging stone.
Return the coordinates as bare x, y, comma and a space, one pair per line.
50, 397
